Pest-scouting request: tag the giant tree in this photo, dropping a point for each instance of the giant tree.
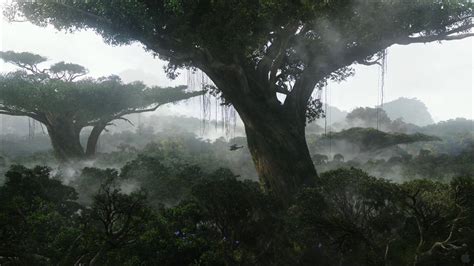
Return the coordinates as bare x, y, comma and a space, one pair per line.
255, 50
55, 97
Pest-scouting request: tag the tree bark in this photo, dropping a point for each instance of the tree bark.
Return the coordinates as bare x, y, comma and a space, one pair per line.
281, 156
93, 139
65, 139
275, 133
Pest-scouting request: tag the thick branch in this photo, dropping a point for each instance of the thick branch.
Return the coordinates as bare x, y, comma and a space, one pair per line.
454, 34
137, 111
298, 98
425, 39
275, 53
359, 54
8, 111
159, 43
370, 63
282, 90
94, 138
281, 53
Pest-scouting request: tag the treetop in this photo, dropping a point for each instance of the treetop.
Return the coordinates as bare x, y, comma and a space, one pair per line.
40, 92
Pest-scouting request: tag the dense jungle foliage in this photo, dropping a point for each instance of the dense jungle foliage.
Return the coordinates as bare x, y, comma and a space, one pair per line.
170, 198
350, 218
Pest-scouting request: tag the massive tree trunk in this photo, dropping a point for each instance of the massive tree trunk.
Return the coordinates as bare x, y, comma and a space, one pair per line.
65, 139
93, 139
276, 137
281, 156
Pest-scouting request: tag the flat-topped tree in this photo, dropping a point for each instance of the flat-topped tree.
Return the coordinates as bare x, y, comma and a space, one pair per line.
65, 104
254, 49
371, 139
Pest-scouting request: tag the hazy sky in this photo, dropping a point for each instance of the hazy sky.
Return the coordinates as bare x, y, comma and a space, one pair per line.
439, 74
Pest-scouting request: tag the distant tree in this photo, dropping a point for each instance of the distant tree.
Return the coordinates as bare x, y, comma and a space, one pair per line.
338, 157
424, 153
254, 51
368, 117
319, 159
378, 117
370, 139
398, 125
395, 160
65, 105
452, 127
124, 147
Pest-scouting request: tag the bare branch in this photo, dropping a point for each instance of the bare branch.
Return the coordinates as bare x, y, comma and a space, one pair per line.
276, 51
126, 120
72, 77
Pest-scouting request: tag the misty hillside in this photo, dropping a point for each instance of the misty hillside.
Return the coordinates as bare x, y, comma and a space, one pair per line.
411, 111
451, 127
333, 115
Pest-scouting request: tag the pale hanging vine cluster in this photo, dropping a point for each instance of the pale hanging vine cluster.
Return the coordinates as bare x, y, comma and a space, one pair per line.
214, 107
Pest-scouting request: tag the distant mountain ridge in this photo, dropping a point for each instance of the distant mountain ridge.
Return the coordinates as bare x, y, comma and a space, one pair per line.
333, 115
411, 110
450, 127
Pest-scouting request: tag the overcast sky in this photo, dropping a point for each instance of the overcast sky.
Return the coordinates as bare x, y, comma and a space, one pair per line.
439, 74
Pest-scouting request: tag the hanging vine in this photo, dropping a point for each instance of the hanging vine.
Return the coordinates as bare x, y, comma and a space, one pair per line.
315, 109
31, 128
383, 70
2, 135
219, 109
325, 109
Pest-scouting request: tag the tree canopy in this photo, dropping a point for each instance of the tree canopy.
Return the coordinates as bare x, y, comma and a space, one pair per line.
57, 98
369, 139
284, 39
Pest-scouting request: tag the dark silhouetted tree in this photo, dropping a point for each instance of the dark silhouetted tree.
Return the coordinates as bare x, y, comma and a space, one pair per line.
319, 159
338, 157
